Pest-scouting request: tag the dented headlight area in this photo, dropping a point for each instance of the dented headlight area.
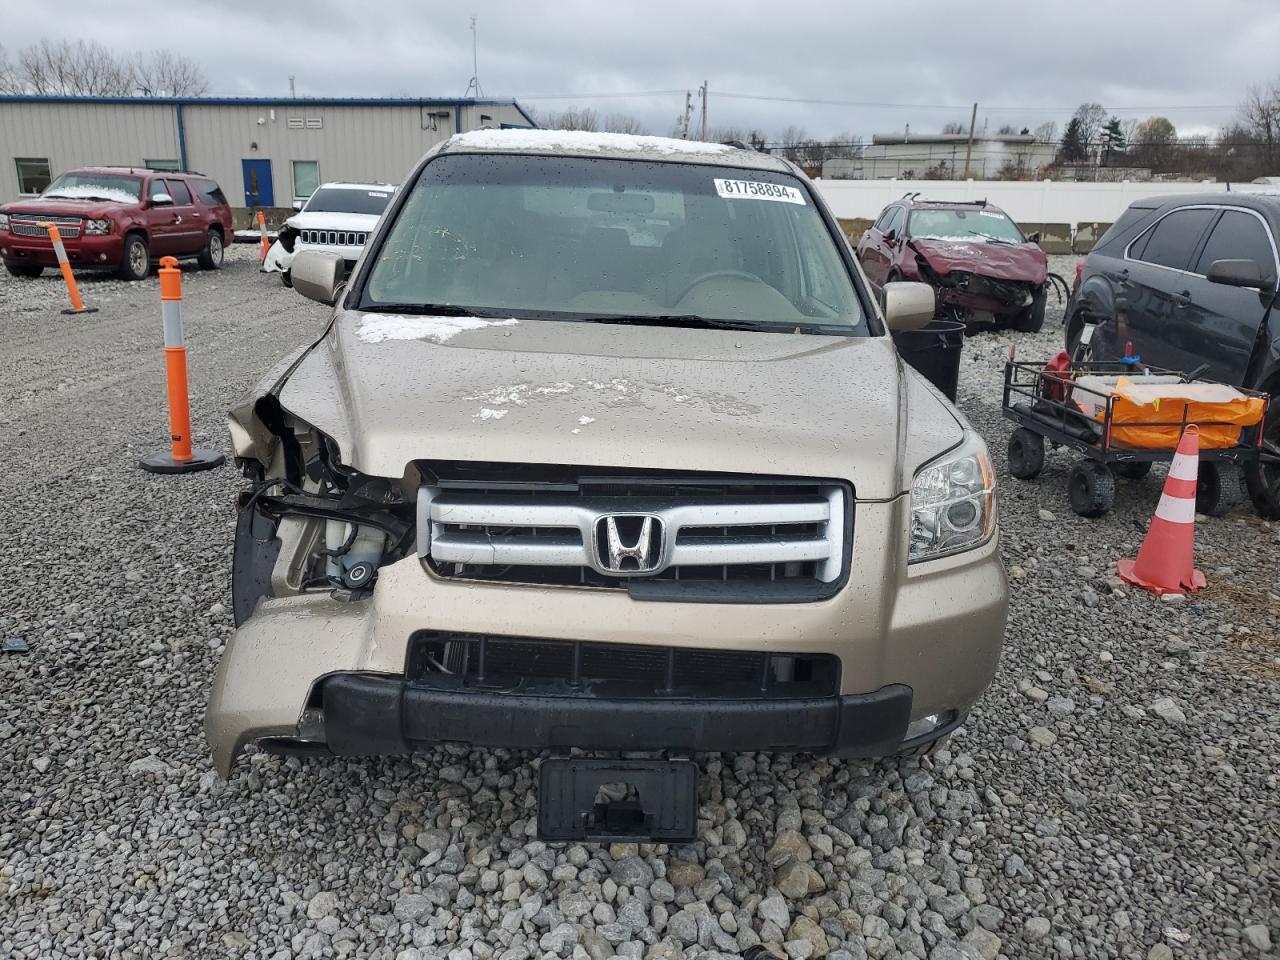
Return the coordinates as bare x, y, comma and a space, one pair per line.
309, 523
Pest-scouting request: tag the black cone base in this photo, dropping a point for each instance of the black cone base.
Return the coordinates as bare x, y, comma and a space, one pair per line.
200, 460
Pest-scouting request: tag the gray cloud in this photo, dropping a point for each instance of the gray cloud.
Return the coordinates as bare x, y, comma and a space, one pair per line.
1024, 62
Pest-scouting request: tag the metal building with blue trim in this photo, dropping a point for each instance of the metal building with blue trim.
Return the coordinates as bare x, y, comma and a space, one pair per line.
264, 152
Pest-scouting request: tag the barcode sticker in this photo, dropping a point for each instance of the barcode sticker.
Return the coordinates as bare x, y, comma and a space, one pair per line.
757, 190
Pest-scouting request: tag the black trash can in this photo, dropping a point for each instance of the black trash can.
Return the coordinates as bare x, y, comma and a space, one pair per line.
934, 351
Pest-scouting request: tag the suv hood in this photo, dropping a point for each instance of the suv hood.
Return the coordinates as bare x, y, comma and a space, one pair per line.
333, 221
1000, 261
65, 207
392, 389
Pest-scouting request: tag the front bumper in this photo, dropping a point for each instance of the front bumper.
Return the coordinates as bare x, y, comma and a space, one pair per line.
934, 629
377, 715
83, 251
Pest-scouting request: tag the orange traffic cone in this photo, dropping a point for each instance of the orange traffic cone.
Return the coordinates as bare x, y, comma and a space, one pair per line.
1166, 561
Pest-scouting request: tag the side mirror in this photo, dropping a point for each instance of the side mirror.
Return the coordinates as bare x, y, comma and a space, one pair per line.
907, 306
891, 237
317, 275
298, 204
161, 200
1239, 273
1034, 238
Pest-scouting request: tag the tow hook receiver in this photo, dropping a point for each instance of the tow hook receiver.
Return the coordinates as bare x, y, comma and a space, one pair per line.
658, 802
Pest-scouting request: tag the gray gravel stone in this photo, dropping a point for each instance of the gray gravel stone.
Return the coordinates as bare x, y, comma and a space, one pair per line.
432, 857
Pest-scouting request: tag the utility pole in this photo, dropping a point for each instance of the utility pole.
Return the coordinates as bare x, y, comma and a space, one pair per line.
688, 112
704, 109
291, 87
968, 150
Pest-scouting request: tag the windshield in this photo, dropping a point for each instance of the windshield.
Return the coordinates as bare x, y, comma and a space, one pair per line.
96, 186
349, 200
963, 225
585, 238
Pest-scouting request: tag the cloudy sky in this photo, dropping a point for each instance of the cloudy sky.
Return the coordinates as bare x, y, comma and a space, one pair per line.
879, 65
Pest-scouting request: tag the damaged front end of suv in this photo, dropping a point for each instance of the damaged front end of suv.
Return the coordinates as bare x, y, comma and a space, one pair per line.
984, 270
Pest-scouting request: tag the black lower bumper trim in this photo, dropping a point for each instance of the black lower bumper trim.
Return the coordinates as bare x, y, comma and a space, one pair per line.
369, 715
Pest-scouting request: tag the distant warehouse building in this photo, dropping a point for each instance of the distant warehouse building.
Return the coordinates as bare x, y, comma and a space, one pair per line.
265, 153
941, 156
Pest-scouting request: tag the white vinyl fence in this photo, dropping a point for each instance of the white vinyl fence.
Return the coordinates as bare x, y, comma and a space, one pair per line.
1060, 204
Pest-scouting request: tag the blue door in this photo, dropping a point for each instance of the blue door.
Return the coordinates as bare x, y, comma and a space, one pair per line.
257, 183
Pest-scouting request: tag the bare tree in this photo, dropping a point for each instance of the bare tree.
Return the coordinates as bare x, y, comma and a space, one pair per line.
954, 127
792, 142
87, 68
82, 67
1006, 129
623, 123
1260, 114
1092, 117
162, 73
1046, 132
8, 76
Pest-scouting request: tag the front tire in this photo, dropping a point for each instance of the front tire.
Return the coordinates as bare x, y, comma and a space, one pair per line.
26, 271
1026, 454
136, 262
1091, 488
1219, 488
1263, 479
1030, 319
211, 256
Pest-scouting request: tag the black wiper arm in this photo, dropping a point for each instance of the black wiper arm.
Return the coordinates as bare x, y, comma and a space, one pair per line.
679, 320
430, 310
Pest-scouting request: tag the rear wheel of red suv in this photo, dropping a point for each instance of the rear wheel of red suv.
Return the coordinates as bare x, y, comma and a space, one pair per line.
136, 262
211, 256
25, 270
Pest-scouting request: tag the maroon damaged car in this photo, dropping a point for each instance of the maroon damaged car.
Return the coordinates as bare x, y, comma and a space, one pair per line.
984, 270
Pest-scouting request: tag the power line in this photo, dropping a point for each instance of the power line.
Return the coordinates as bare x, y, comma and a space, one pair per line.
1029, 108
600, 96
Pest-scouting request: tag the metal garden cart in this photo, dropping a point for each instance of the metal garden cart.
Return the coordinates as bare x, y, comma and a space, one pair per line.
1042, 402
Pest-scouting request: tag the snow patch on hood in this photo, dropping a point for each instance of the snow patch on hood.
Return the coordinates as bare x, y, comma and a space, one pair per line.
579, 140
113, 194
379, 327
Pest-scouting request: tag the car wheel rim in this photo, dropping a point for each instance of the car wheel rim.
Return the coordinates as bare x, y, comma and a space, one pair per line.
138, 258
215, 248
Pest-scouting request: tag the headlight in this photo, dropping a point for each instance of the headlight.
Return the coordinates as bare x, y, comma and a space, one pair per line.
953, 505
4, 221
96, 228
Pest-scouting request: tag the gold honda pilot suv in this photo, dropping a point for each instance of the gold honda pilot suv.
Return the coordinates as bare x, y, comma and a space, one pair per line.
606, 452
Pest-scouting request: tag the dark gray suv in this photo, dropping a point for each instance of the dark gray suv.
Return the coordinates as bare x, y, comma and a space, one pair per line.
1190, 283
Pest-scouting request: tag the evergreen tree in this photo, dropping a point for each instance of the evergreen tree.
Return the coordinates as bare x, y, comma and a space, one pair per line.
1113, 140
1073, 149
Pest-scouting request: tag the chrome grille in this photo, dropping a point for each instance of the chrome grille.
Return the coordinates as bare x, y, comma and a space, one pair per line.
27, 225
334, 238
705, 532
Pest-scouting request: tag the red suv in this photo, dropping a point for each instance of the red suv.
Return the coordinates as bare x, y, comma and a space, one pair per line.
117, 218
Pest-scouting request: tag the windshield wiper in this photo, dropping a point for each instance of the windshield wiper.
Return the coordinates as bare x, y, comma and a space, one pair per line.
987, 236
430, 310
687, 320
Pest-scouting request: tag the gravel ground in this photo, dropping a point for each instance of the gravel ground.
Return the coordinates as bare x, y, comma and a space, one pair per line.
1116, 794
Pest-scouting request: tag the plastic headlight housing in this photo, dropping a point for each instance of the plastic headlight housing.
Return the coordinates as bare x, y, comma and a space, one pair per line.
4, 221
97, 228
953, 505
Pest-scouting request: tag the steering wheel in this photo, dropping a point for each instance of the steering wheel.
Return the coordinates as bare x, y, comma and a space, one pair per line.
716, 275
